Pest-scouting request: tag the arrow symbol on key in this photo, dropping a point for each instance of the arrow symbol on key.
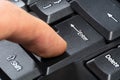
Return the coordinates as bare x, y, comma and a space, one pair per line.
79, 32
73, 26
111, 16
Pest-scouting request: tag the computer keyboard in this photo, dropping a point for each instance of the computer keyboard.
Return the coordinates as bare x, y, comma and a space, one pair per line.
90, 27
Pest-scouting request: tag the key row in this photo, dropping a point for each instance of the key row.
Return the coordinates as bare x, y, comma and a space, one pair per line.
104, 18
81, 33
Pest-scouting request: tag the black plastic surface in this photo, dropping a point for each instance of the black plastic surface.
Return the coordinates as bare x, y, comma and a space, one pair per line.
106, 66
102, 14
85, 45
79, 35
51, 10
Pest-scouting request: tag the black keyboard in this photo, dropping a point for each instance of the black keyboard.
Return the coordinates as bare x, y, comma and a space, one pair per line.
90, 27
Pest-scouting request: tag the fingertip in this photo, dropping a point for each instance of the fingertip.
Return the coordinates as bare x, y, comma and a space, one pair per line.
57, 52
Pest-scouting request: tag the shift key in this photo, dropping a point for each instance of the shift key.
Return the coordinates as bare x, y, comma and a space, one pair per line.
16, 63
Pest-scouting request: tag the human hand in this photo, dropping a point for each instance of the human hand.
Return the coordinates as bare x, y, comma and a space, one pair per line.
32, 33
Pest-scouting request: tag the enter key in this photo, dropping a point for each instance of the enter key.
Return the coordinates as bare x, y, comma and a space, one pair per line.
79, 35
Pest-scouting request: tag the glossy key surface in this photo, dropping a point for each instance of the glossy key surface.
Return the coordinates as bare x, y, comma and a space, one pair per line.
51, 10
16, 63
104, 15
79, 35
106, 66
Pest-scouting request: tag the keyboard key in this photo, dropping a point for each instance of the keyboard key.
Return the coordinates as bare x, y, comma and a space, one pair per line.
104, 15
106, 66
51, 10
16, 63
79, 35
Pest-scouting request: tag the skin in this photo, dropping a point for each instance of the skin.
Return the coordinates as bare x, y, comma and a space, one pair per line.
32, 33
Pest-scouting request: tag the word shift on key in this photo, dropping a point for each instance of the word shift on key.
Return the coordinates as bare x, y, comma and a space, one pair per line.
14, 63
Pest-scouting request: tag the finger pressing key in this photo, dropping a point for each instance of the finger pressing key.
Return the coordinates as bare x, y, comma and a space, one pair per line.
35, 35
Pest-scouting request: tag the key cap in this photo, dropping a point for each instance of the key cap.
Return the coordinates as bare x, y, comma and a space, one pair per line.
51, 10
106, 66
16, 63
79, 35
104, 15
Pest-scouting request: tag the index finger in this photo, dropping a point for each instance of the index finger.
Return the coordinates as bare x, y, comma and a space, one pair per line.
34, 34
